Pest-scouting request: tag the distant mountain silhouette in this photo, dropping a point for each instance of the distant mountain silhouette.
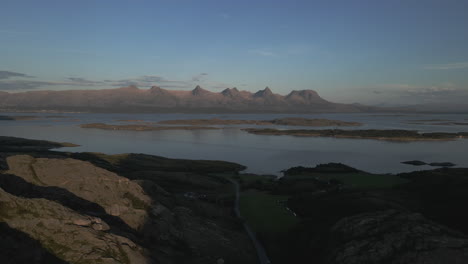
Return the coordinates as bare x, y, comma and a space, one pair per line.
156, 99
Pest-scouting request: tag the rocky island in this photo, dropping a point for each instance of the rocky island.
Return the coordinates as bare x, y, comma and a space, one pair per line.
197, 124
142, 127
388, 135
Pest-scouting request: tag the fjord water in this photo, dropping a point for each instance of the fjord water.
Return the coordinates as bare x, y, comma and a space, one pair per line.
260, 153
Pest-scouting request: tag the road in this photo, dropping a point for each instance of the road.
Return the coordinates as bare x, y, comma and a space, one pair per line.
262, 256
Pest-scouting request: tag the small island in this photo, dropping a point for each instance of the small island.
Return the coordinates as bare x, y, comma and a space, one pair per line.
436, 122
388, 135
289, 121
17, 118
433, 164
141, 127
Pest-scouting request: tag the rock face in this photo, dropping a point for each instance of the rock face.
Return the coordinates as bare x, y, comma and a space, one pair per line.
117, 195
57, 209
156, 99
395, 237
70, 236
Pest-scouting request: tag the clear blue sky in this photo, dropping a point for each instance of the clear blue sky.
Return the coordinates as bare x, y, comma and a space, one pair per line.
373, 51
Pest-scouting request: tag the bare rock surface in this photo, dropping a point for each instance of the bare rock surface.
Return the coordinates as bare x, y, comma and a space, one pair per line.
117, 195
70, 236
395, 237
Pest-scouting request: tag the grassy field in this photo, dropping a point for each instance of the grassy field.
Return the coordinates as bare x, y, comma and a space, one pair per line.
358, 180
266, 213
268, 217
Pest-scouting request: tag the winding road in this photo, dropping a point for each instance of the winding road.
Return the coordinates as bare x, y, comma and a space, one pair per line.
262, 256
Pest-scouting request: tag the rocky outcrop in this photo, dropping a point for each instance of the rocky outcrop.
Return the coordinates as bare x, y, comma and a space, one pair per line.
395, 237
58, 209
119, 196
70, 236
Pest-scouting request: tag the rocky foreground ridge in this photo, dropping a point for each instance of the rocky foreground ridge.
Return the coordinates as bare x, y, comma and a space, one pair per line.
156, 99
59, 207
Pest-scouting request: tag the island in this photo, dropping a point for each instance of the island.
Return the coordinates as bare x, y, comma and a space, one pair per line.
142, 127
436, 122
289, 121
388, 135
433, 164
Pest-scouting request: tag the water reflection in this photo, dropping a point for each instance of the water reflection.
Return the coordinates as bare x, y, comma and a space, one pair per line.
262, 154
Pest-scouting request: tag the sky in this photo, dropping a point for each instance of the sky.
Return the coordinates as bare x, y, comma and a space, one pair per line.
375, 52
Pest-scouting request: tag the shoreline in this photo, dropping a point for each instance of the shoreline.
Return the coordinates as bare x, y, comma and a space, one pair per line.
375, 134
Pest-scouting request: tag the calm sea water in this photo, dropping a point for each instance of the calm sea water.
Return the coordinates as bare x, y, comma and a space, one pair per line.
261, 154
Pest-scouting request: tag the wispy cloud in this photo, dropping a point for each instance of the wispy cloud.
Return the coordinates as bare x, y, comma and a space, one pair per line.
9, 74
263, 52
224, 15
410, 94
447, 66
148, 81
83, 81
290, 50
432, 90
15, 85
144, 81
200, 77
9, 82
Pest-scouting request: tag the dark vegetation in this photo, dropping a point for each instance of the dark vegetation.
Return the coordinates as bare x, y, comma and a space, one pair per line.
434, 164
396, 135
410, 211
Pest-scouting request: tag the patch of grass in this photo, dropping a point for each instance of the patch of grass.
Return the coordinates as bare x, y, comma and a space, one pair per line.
266, 213
254, 181
112, 159
365, 180
68, 144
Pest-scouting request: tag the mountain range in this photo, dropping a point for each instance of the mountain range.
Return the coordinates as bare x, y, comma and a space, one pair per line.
156, 99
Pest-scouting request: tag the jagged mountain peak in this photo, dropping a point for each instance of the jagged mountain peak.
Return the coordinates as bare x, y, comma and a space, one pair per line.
157, 90
199, 91
264, 93
230, 92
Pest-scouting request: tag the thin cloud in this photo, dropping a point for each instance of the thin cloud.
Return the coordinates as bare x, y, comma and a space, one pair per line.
262, 52
144, 81
447, 66
147, 81
12, 85
419, 92
224, 15
83, 81
199, 77
9, 74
